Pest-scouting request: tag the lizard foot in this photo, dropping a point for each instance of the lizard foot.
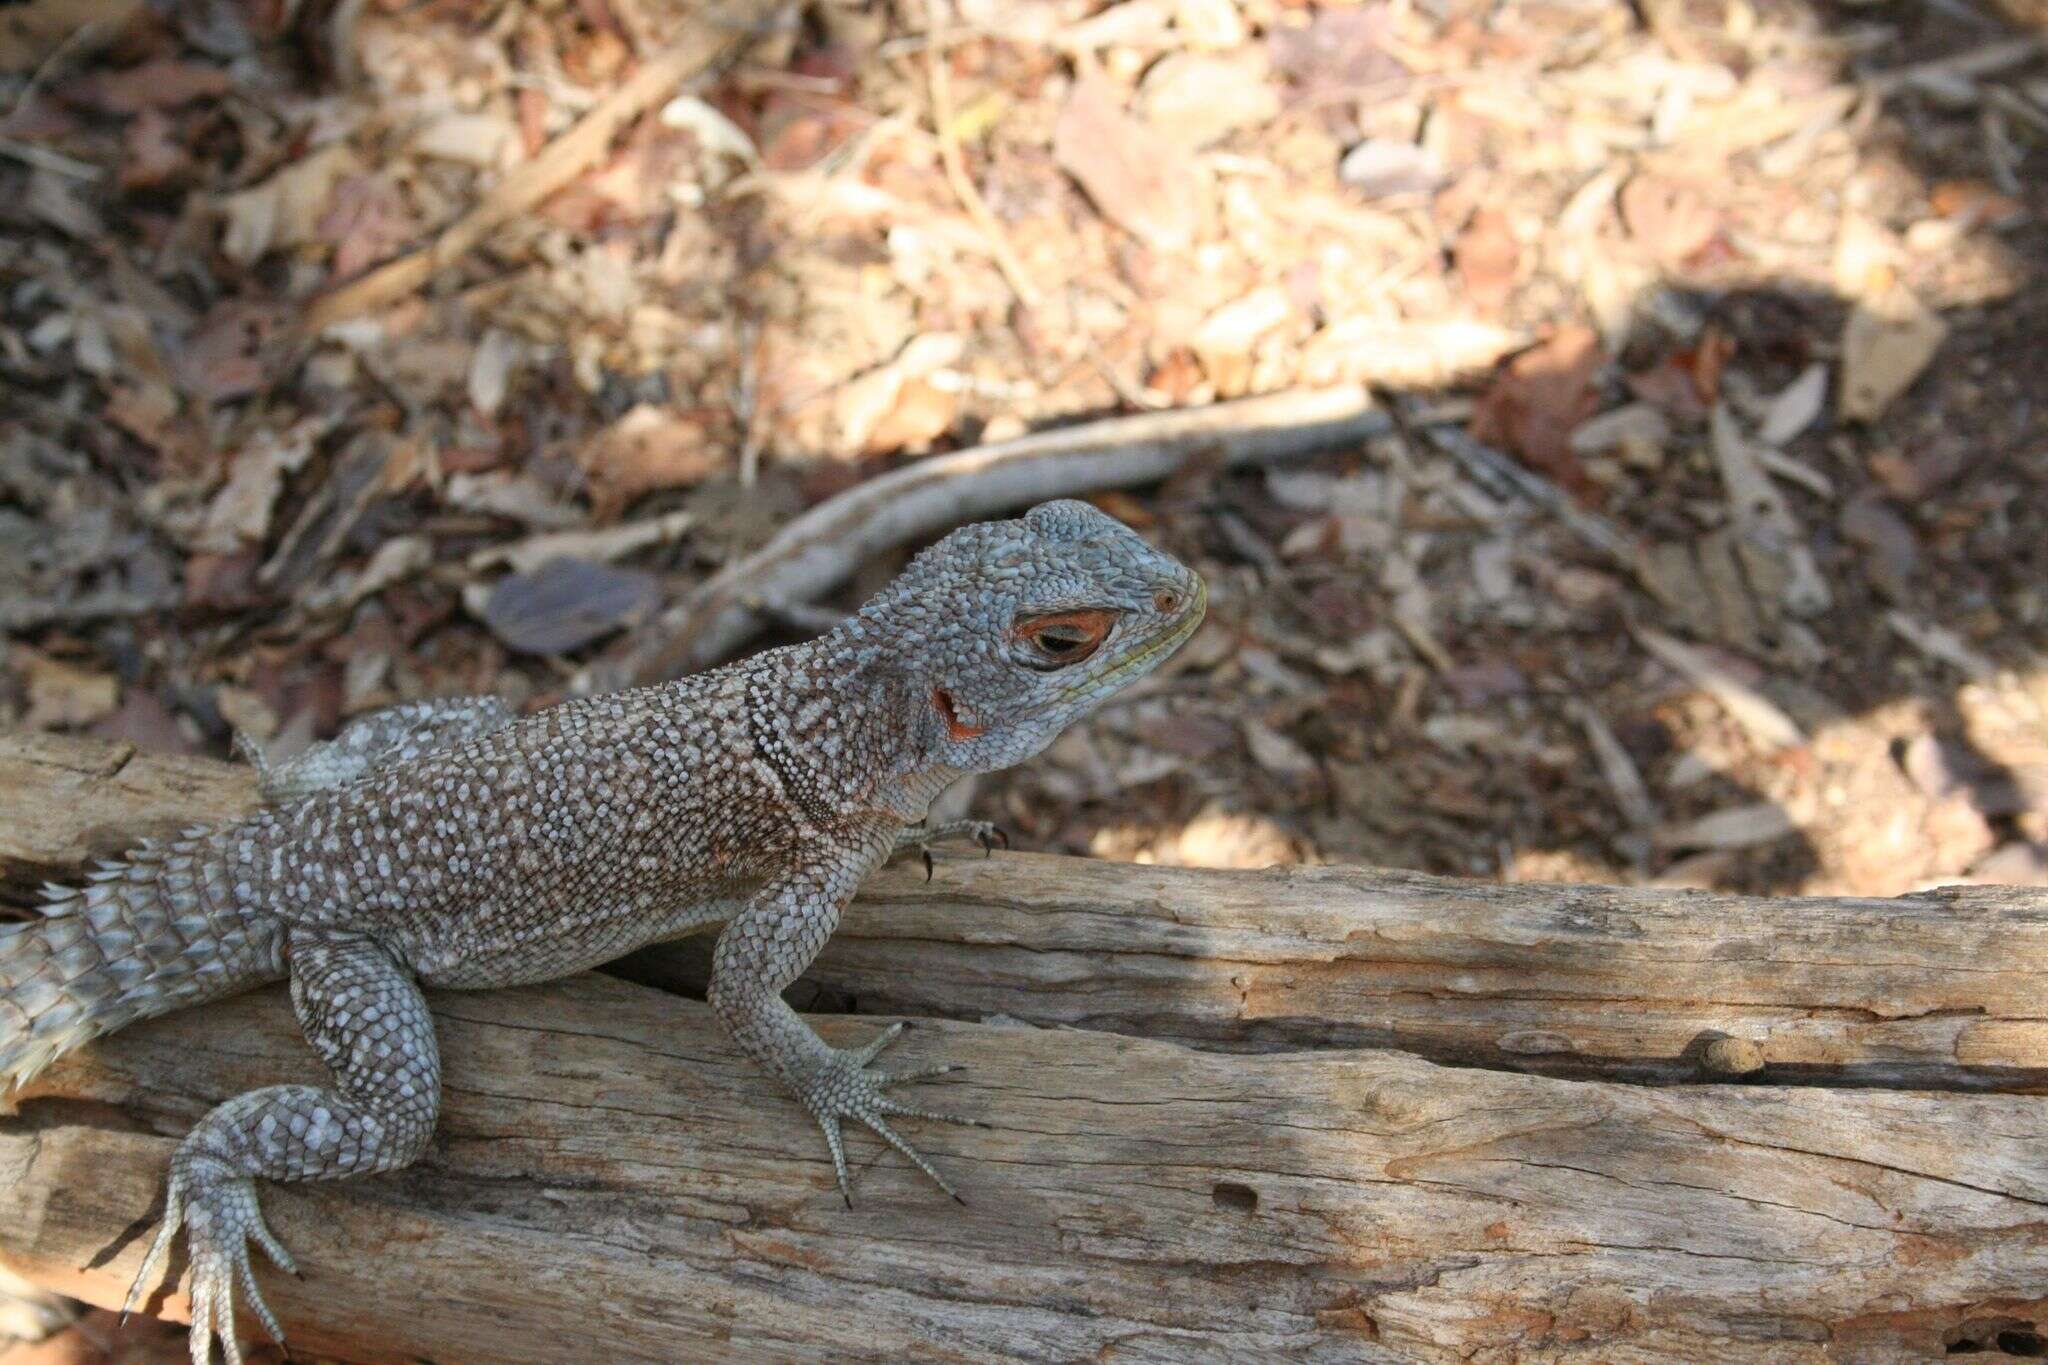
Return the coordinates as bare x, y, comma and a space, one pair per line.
984, 832
217, 1207
843, 1088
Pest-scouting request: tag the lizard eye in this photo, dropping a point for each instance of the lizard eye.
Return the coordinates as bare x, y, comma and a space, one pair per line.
1063, 638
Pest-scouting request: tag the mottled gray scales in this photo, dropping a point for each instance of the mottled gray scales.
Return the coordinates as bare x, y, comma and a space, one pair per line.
448, 844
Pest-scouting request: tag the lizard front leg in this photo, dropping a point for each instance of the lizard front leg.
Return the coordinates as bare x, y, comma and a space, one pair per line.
364, 1015
766, 947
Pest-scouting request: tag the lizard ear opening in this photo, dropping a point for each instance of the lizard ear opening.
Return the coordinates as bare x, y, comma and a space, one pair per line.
1062, 638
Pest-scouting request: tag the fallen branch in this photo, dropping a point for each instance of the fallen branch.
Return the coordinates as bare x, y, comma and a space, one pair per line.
709, 42
820, 550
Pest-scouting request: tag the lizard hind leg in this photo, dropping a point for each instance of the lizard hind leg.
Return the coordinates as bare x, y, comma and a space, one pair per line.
366, 1018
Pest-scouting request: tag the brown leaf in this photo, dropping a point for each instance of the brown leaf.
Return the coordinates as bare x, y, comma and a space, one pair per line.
1886, 343
367, 220
1343, 50
1143, 182
238, 350
1539, 398
1672, 221
151, 152
1687, 383
164, 83
1485, 258
35, 29
61, 696
647, 449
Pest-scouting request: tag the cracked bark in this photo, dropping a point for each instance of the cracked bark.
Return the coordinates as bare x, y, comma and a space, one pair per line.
1261, 1177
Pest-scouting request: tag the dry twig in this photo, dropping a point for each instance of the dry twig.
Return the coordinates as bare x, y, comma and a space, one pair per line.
820, 550
956, 166
560, 162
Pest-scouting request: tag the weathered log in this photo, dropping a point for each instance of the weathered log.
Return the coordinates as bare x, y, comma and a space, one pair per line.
611, 1181
1939, 991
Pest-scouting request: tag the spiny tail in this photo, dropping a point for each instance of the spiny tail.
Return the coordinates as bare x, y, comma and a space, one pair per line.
149, 935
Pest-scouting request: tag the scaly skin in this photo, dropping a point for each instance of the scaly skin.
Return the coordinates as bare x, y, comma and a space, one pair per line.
449, 845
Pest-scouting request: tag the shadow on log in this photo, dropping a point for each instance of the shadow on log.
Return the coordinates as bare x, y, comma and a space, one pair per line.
1262, 1177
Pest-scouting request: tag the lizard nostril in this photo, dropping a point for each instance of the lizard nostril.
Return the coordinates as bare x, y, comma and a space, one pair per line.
1166, 601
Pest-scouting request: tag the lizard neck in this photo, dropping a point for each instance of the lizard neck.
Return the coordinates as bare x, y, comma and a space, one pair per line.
850, 727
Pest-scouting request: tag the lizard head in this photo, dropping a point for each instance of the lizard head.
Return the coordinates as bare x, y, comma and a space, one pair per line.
1016, 629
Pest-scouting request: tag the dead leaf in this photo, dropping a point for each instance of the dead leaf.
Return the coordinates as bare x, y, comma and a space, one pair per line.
367, 220
1277, 753
1381, 168
152, 154
1339, 54
498, 356
1637, 431
238, 350
1485, 258
647, 449
1794, 409
62, 696
1886, 343
286, 209
239, 514
1764, 517
1198, 98
1419, 355
1765, 721
1673, 222
1209, 25
1687, 383
1225, 340
564, 605
1736, 827
866, 410
162, 83
1143, 182
34, 29
477, 139
1539, 398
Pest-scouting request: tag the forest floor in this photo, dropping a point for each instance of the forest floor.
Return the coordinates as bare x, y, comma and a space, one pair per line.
1757, 284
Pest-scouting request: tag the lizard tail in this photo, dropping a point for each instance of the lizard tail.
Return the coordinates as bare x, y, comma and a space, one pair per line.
146, 936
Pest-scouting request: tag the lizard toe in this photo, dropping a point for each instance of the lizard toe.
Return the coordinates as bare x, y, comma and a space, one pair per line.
843, 1088
219, 1213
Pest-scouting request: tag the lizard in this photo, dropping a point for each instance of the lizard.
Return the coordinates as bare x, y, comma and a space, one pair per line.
458, 847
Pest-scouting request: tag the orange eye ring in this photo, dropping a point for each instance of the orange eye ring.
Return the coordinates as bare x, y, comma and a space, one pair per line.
1065, 637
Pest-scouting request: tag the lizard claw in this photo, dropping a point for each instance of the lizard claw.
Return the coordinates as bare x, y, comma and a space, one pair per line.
986, 833
844, 1088
218, 1209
